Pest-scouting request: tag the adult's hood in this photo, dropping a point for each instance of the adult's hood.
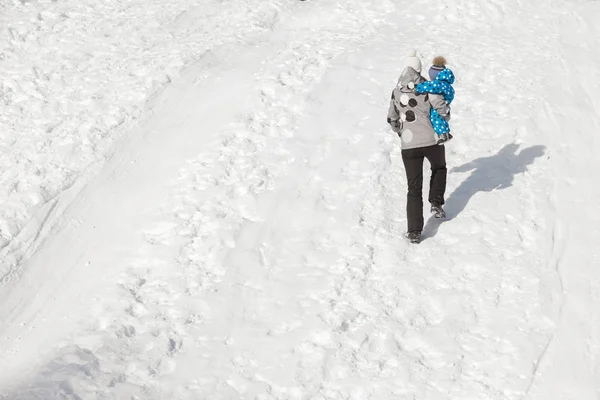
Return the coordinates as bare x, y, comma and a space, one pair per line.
408, 75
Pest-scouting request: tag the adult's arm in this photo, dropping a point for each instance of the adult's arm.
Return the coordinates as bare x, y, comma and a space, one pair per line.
440, 105
393, 117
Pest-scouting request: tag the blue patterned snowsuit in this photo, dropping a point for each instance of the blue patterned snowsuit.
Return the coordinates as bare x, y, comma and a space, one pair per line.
442, 84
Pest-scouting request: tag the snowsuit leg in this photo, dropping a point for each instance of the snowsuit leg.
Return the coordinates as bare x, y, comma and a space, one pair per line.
413, 164
440, 125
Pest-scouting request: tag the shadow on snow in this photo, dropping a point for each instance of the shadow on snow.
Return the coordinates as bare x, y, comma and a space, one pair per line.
495, 172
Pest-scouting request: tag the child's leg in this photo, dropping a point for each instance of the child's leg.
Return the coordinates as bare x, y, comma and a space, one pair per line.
440, 126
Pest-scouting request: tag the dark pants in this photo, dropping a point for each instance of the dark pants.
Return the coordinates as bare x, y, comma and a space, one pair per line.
413, 163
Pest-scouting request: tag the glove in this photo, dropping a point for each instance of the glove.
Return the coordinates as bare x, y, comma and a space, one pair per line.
395, 125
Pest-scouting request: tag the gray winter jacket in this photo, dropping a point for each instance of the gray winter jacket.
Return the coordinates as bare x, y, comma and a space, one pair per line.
408, 114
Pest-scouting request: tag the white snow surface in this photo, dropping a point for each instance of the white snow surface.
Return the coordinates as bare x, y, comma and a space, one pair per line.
200, 199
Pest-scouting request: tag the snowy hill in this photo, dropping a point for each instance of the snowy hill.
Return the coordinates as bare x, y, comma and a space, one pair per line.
202, 200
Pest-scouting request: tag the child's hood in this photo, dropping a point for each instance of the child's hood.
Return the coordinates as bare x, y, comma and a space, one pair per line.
445, 76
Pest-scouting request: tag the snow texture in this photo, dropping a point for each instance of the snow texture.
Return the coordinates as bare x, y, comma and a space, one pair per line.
202, 200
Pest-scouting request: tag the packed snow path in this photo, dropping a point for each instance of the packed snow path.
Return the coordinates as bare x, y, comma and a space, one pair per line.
245, 241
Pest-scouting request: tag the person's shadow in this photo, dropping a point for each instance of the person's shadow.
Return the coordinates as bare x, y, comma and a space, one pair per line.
489, 173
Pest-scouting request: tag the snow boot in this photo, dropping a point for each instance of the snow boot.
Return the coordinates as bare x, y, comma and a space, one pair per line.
443, 138
414, 236
438, 211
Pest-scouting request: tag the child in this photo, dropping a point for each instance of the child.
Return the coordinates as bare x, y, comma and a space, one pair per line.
441, 82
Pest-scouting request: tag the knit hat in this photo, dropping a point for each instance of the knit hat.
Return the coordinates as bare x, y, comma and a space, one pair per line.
439, 64
413, 61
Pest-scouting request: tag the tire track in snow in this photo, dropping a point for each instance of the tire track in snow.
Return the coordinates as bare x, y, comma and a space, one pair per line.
164, 312
247, 281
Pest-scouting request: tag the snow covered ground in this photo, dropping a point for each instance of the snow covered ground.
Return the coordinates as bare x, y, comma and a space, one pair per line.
202, 200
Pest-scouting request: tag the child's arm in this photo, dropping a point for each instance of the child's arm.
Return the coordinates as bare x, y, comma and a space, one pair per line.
433, 87
428, 87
